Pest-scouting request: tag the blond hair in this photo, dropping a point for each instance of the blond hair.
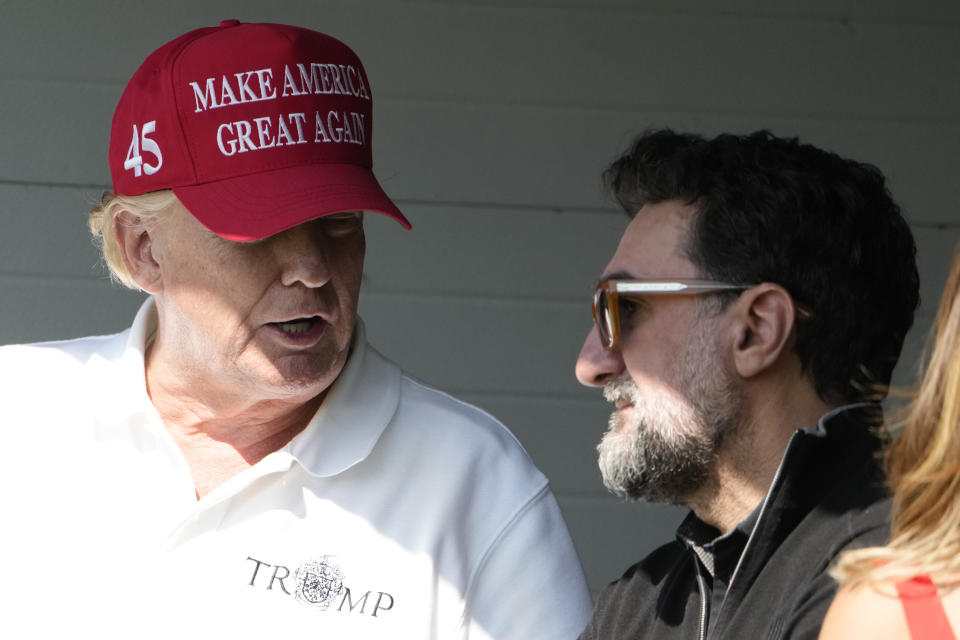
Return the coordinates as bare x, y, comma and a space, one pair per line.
145, 208
923, 468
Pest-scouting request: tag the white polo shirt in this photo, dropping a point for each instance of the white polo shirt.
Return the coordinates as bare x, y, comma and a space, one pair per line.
399, 512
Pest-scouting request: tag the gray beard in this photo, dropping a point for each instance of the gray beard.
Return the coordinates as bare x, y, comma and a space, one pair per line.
669, 451
645, 464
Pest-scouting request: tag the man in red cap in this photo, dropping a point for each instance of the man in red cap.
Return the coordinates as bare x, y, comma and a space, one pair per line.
240, 461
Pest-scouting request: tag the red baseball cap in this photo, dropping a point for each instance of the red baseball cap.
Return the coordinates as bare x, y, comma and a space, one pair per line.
255, 127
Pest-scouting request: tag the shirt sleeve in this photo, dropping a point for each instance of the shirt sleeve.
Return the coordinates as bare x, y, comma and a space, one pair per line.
530, 584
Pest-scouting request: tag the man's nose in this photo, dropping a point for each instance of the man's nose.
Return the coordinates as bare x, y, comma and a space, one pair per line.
302, 252
596, 365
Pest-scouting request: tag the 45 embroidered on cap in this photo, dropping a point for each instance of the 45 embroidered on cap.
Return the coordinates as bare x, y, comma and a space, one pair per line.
255, 127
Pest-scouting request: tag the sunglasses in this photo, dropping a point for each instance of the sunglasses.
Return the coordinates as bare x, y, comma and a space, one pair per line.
606, 299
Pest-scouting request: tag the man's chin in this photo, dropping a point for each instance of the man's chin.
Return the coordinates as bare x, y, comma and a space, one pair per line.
634, 472
281, 381
620, 474
301, 372
640, 489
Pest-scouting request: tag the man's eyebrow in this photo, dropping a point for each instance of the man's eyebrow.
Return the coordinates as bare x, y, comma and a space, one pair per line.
616, 275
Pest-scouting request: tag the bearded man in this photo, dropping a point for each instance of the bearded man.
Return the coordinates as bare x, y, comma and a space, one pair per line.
745, 332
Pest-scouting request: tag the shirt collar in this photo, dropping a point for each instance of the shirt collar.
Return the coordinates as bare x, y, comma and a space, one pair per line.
354, 414
718, 553
124, 395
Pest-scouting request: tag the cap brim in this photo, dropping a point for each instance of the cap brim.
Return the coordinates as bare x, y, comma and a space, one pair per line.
255, 206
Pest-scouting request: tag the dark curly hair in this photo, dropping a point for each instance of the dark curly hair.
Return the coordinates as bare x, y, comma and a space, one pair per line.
823, 227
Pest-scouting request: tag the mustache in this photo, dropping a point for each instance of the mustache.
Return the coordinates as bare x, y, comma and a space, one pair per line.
616, 390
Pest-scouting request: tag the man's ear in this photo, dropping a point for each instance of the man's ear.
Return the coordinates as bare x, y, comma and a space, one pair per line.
766, 316
135, 241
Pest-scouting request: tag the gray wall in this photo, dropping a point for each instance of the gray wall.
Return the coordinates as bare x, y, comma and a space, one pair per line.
492, 122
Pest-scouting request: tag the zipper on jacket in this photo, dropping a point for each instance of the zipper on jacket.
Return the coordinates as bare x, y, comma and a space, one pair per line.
704, 601
763, 510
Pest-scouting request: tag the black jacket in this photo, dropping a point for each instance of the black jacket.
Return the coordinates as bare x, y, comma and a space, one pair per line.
829, 494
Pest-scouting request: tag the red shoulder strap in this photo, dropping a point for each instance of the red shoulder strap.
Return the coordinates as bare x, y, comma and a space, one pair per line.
926, 618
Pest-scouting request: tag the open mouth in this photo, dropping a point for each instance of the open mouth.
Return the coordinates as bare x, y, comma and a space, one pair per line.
299, 331
298, 326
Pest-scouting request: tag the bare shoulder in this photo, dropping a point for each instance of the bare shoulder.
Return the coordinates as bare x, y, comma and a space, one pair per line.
951, 605
866, 611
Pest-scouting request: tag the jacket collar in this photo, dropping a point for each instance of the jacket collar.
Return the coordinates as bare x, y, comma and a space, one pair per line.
833, 467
